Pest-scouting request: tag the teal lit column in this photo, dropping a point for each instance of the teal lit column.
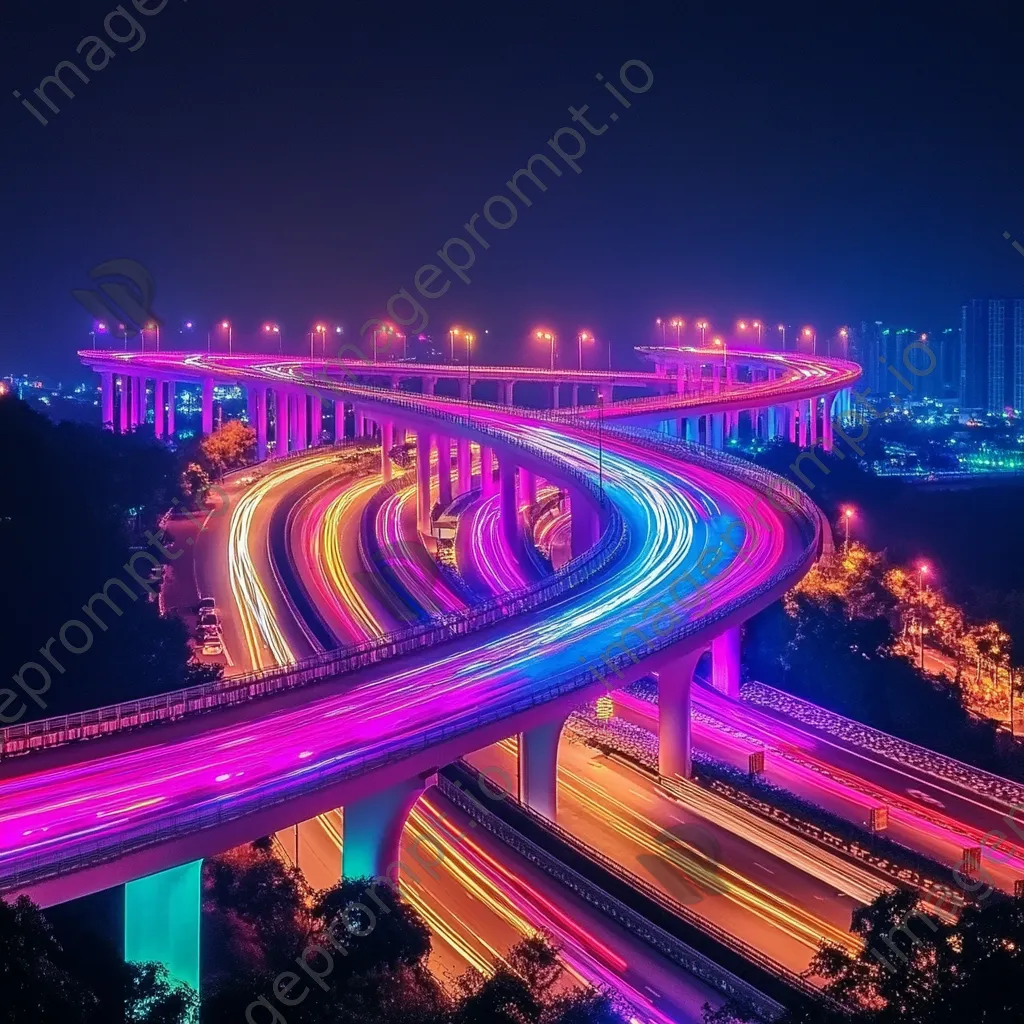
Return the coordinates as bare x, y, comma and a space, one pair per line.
161, 921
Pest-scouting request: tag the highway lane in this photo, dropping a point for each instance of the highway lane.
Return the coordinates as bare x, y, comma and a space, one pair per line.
674, 512
759, 897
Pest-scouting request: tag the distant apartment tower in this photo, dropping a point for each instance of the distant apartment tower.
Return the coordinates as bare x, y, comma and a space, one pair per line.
992, 356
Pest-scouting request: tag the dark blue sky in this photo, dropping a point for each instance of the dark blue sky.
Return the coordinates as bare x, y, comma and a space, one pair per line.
295, 162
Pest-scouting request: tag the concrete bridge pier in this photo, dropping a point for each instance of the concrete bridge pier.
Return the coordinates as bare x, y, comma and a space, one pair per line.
508, 508
487, 483
444, 470
316, 422
207, 406
423, 481
387, 441
161, 921
717, 430
464, 464
339, 421
527, 487
372, 830
725, 662
538, 768
675, 746
584, 525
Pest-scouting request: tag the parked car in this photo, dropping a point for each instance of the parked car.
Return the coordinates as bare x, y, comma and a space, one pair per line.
207, 604
213, 645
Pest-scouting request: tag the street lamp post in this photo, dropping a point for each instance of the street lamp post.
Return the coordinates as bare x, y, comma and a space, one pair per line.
581, 337
124, 334
452, 332
470, 338
845, 335
600, 446
758, 325
661, 325
154, 327
922, 571
678, 323
847, 516
227, 326
274, 329
548, 336
702, 326
719, 343
782, 328
813, 335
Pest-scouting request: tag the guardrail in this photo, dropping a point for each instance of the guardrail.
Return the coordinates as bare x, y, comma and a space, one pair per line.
197, 700
18, 740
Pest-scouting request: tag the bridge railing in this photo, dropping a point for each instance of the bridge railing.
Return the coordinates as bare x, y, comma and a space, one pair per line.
129, 715
32, 870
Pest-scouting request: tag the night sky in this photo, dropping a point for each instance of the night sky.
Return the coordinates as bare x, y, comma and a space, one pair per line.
296, 162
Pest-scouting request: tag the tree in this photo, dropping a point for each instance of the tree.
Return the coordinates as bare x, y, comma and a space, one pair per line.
195, 483
230, 447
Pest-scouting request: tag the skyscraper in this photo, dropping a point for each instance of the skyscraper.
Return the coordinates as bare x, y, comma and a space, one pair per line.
992, 356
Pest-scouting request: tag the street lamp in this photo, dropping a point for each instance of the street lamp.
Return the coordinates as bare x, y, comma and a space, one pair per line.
922, 570
719, 343
702, 326
548, 336
274, 329
847, 516
452, 332
152, 327
661, 324
98, 328
581, 337
809, 332
782, 327
227, 327
845, 335
124, 334
470, 338
678, 323
758, 325
322, 331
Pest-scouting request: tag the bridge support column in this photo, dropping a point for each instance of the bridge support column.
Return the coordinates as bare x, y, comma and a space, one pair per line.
693, 429
423, 481
464, 465
316, 420
161, 921
812, 420
261, 424
583, 524
339, 421
527, 487
554, 395
372, 831
717, 430
508, 509
605, 392
538, 768
122, 403
772, 428
575, 396
487, 484
171, 399
158, 407
250, 405
429, 385
791, 423
301, 431
387, 441
207, 406
826, 423
138, 401
675, 748
107, 399
444, 471
725, 662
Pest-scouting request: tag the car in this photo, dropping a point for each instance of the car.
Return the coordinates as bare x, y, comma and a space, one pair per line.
208, 618
926, 798
212, 645
207, 604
